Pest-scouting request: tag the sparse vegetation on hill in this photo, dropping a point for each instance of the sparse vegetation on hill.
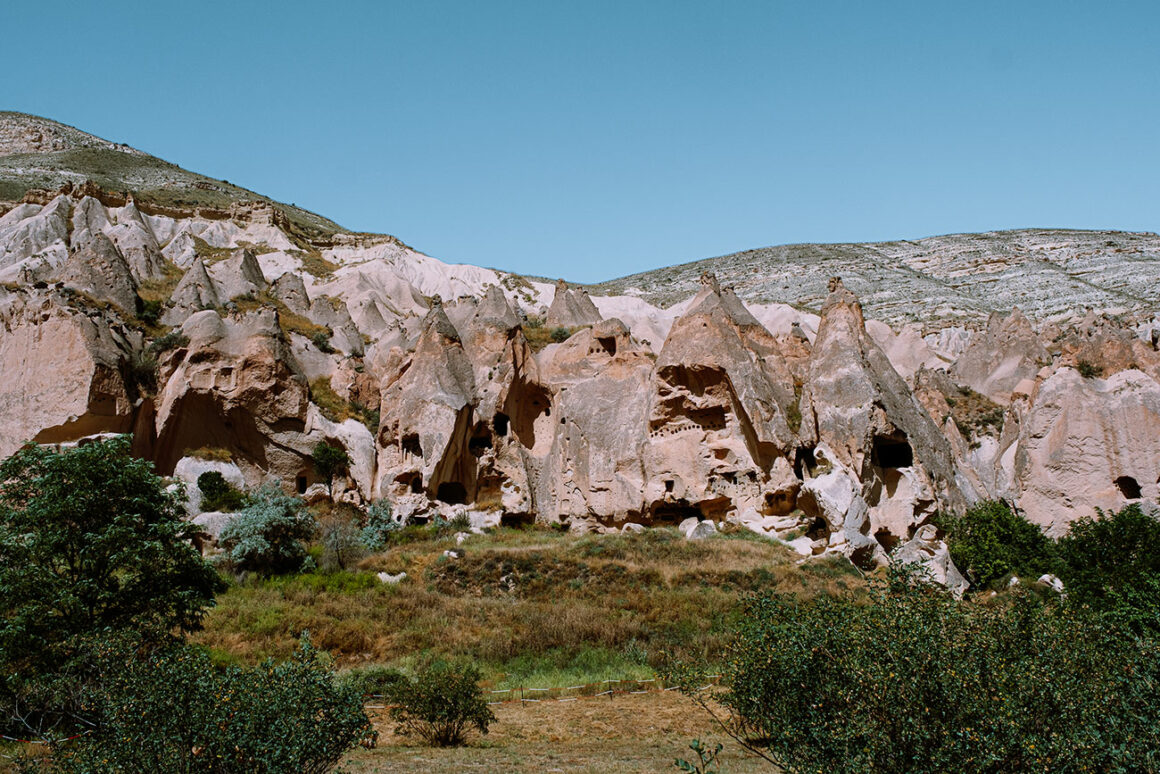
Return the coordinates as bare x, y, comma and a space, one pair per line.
521, 602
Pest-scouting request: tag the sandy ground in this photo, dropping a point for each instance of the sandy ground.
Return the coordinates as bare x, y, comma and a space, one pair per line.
625, 733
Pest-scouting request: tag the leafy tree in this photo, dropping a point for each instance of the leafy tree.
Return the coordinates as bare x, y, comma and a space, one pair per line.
914, 681
90, 541
267, 535
172, 710
989, 542
329, 461
217, 494
560, 334
442, 704
1111, 563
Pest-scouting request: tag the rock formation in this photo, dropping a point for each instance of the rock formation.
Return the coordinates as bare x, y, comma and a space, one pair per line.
806, 422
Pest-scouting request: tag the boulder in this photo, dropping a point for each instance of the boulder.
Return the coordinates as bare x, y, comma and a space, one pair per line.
933, 558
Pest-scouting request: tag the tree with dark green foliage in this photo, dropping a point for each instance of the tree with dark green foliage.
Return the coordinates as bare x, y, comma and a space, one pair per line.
267, 535
560, 334
990, 542
217, 494
442, 704
1112, 564
90, 541
916, 682
172, 711
329, 461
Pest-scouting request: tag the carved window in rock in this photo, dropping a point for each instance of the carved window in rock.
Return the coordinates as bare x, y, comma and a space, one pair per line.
410, 446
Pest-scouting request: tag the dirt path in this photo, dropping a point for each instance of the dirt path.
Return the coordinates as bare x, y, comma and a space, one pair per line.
629, 733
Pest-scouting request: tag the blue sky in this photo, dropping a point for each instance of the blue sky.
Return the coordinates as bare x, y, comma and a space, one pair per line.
595, 139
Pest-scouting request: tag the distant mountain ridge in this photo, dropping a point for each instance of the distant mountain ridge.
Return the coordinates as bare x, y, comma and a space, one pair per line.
941, 281
41, 154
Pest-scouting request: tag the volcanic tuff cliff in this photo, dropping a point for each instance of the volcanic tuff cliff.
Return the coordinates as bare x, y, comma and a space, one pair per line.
136, 296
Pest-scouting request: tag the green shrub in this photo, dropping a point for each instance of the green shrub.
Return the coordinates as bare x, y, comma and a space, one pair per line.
379, 681
267, 535
376, 535
341, 543
321, 341
916, 682
1088, 370
442, 704
217, 494
989, 542
171, 340
560, 334
174, 711
90, 542
1111, 564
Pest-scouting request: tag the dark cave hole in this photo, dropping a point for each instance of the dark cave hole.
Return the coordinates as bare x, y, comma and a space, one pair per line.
452, 493
1129, 487
891, 452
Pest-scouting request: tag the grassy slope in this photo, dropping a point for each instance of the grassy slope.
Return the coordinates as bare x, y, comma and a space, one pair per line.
533, 607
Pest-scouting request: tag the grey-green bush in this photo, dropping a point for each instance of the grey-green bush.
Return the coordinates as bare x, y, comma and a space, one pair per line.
268, 535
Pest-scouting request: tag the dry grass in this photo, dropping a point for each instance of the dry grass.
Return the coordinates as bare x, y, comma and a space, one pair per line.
336, 408
161, 289
625, 733
213, 454
290, 322
209, 253
521, 602
314, 263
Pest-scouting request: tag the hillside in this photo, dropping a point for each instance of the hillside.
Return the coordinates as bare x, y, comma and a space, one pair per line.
837, 416
1050, 274
41, 154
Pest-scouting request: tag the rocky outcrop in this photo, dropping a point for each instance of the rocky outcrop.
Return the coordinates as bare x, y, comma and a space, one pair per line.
236, 386
727, 404
195, 292
1085, 444
874, 433
99, 270
571, 308
1004, 354
63, 372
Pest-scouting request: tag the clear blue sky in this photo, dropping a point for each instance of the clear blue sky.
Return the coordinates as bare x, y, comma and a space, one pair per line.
594, 139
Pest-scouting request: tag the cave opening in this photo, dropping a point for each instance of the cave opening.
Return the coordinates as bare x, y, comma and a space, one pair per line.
673, 513
887, 539
804, 462
891, 452
410, 445
607, 344
451, 493
500, 423
480, 440
1129, 487
300, 484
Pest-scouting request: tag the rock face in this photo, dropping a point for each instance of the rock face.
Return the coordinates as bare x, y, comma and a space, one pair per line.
1087, 444
831, 432
571, 308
